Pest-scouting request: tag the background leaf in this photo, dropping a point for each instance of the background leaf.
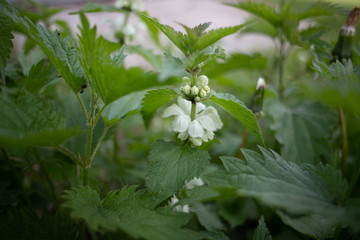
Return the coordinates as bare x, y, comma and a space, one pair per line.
262, 232
172, 164
6, 26
239, 111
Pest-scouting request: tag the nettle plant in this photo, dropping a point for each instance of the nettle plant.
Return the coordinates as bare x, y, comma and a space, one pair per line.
58, 132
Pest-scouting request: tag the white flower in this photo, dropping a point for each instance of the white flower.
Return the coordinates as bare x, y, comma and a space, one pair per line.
202, 93
260, 83
174, 200
186, 81
201, 128
186, 89
133, 4
194, 90
195, 182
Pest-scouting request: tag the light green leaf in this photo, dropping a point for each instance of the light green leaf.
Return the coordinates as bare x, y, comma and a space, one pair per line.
277, 183
171, 165
262, 232
302, 130
39, 75
205, 56
6, 26
132, 212
239, 111
154, 59
153, 100
29, 121
123, 107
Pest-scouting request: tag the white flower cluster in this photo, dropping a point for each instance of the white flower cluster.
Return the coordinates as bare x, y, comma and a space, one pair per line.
201, 128
196, 91
188, 185
136, 5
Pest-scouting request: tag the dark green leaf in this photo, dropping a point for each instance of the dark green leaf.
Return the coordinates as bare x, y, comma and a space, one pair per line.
29, 121
153, 100
262, 232
132, 212
239, 111
302, 130
207, 217
171, 165
6, 26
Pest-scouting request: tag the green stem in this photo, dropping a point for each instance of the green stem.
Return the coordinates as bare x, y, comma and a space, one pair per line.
98, 115
82, 106
344, 144
98, 144
69, 154
243, 143
281, 65
193, 110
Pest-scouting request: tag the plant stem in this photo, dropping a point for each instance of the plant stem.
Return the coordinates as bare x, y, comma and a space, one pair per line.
82, 106
281, 65
98, 115
344, 144
243, 143
69, 154
98, 144
193, 110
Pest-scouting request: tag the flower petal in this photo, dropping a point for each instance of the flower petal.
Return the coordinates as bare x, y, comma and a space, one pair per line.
185, 105
200, 107
181, 123
172, 110
195, 129
208, 135
183, 135
213, 114
196, 141
207, 122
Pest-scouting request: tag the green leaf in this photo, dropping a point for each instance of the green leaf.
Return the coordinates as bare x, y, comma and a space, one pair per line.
196, 38
171, 165
261, 10
205, 56
302, 129
153, 100
6, 26
277, 183
39, 75
132, 212
207, 217
315, 226
262, 232
154, 59
29, 121
239, 111
123, 107
92, 7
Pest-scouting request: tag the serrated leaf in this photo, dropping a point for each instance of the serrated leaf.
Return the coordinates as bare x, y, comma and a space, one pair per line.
6, 26
29, 121
171, 165
276, 182
262, 232
39, 75
153, 100
261, 10
122, 107
239, 111
302, 130
132, 212
205, 56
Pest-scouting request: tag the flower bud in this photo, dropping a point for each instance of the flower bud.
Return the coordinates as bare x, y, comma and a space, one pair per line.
197, 99
207, 89
260, 83
202, 93
186, 81
202, 81
194, 90
186, 89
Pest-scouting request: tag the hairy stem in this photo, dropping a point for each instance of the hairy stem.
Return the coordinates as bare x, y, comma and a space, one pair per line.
82, 106
344, 144
98, 144
69, 154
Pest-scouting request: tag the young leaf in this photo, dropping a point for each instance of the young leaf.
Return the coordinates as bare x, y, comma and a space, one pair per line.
277, 183
302, 130
39, 75
122, 107
171, 165
6, 26
153, 100
29, 121
239, 111
132, 212
262, 232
